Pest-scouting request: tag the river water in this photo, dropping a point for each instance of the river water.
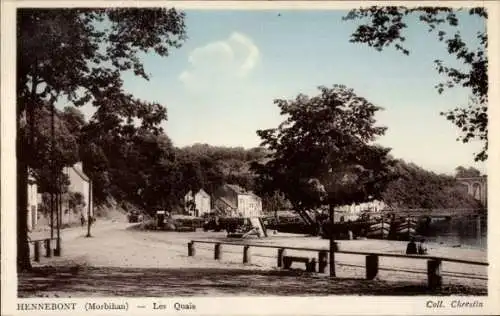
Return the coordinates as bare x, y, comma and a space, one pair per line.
462, 232
458, 231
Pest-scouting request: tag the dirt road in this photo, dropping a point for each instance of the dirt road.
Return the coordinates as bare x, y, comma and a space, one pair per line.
122, 260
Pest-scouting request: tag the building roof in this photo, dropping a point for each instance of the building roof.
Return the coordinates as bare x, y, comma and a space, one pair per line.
201, 191
31, 177
227, 202
239, 190
80, 172
236, 188
253, 194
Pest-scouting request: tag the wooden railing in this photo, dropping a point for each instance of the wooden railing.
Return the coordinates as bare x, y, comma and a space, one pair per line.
47, 242
434, 277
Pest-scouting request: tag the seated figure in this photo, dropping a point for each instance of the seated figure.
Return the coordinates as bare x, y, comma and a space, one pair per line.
411, 249
422, 248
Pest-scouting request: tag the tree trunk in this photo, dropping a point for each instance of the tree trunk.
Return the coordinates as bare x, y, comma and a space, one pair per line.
194, 203
23, 250
332, 241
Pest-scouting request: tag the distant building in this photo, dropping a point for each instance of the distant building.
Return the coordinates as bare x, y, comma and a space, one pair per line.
233, 200
353, 211
78, 182
33, 200
201, 203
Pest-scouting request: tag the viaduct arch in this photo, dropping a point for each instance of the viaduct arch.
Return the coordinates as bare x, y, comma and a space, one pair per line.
476, 187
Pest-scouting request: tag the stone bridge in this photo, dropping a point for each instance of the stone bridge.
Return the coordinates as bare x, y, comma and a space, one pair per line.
477, 187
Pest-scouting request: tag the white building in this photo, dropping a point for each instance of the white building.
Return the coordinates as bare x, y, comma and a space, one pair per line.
79, 182
233, 200
201, 203
353, 211
249, 205
33, 200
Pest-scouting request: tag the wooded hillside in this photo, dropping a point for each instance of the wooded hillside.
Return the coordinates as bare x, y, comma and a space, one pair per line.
147, 170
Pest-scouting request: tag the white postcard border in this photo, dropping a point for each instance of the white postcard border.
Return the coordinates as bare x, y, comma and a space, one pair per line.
341, 305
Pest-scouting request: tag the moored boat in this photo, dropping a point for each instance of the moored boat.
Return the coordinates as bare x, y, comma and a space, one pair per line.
406, 229
379, 233
380, 225
379, 230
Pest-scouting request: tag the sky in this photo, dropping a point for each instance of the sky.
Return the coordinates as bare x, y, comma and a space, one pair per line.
220, 85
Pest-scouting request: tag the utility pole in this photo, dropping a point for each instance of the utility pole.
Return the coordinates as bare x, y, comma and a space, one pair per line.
89, 215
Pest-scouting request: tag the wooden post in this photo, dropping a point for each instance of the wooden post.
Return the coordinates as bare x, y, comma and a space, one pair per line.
36, 247
48, 250
371, 267
217, 251
322, 261
435, 279
311, 266
247, 256
191, 250
281, 254
58, 250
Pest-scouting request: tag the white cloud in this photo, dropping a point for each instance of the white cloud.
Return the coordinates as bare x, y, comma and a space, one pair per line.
219, 61
252, 56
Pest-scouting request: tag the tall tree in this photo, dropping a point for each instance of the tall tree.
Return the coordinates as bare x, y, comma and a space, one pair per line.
462, 172
384, 26
80, 55
50, 153
323, 152
326, 141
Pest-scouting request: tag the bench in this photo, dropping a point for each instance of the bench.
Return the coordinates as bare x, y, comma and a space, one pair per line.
310, 262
